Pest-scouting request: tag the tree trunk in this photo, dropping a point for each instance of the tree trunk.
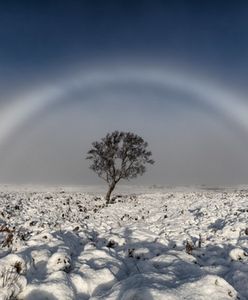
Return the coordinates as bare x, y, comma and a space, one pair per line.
110, 190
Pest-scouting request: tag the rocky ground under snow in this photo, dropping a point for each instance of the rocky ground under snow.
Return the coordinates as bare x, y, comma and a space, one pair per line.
62, 245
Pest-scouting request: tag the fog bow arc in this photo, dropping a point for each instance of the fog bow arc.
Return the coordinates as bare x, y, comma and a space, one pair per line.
27, 105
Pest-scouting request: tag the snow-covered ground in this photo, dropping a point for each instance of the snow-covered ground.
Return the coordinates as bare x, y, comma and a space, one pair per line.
157, 244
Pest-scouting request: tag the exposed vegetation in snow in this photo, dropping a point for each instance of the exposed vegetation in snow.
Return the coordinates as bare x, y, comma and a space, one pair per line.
163, 244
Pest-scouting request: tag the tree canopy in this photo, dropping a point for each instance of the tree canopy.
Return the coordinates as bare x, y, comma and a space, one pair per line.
119, 155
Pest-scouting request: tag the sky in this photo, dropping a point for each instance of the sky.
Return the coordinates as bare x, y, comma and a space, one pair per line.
174, 72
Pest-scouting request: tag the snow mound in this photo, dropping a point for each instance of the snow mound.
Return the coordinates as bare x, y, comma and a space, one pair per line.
143, 288
237, 254
59, 261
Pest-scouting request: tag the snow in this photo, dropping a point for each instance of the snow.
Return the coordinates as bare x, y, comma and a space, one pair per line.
152, 243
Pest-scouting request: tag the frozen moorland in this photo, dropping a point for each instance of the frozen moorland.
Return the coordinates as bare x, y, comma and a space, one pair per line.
157, 244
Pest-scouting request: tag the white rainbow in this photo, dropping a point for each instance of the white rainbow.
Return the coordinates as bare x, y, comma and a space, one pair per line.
28, 105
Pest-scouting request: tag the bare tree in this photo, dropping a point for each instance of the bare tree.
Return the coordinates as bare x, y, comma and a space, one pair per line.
119, 155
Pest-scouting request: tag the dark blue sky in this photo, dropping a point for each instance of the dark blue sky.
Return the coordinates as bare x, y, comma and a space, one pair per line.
37, 36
